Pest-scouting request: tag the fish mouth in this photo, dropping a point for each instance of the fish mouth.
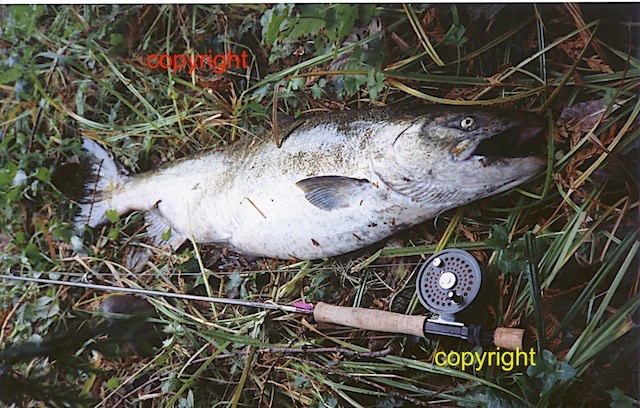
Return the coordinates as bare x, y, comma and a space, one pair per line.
515, 142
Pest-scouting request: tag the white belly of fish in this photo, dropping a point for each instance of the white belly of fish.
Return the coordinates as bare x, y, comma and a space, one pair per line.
281, 222
263, 214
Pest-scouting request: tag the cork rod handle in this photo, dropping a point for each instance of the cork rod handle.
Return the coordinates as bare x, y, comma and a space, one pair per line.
369, 319
509, 338
379, 320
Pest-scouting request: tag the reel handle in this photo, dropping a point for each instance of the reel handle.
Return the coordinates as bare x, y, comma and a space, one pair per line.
380, 320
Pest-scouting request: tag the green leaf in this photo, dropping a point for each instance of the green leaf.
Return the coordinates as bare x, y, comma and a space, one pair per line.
551, 371
620, 400
512, 259
43, 174
499, 238
353, 83
166, 235
271, 22
365, 13
78, 245
301, 382
116, 39
113, 233
10, 75
316, 91
112, 215
346, 15
112, 383
565, 372
23, 18
63, 234
389, 402
235, 280
456, 36
375, 83
6, 176
306, 27
296, 83
317, 10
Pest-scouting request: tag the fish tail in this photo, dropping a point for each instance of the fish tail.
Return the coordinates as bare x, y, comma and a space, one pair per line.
105, 178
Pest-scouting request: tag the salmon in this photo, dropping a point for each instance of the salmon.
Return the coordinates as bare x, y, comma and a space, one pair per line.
338, 183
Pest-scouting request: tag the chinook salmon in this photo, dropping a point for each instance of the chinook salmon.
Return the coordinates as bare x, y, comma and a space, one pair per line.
338, 183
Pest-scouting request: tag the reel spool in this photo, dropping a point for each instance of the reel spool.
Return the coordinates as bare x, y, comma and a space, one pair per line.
448, 282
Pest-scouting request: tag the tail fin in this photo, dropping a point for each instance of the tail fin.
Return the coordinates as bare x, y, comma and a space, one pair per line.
105, 177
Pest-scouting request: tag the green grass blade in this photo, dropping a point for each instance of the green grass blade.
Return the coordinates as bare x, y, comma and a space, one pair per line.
589, 291
592, 341
534, 287
422, 36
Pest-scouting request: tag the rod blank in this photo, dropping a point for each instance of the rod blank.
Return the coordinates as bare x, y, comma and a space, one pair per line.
360, 318
145, 292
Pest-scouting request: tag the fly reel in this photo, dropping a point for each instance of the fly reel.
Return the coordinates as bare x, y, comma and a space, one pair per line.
448, 282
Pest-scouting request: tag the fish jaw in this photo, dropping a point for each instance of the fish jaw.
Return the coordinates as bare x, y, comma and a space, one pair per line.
437, 162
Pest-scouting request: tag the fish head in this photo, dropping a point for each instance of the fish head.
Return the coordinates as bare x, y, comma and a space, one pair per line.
454, 155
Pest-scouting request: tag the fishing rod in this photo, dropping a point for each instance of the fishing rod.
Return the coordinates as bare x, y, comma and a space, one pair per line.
447, 283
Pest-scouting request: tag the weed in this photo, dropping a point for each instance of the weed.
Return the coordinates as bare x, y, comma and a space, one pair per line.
562, 250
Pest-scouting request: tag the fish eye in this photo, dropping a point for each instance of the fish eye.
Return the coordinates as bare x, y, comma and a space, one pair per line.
467, 122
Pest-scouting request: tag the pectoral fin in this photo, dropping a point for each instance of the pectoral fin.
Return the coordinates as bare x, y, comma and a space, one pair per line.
161, 232
333, 192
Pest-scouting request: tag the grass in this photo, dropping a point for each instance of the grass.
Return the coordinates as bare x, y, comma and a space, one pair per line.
559, 252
